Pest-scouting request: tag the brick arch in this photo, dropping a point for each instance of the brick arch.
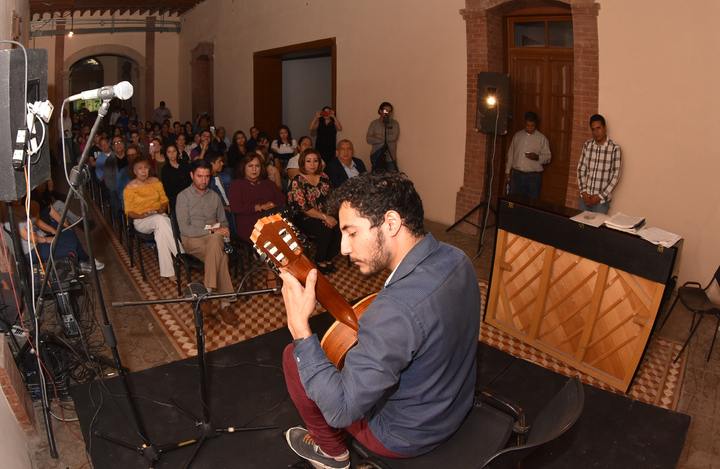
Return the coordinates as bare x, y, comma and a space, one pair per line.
485, 53
108, 49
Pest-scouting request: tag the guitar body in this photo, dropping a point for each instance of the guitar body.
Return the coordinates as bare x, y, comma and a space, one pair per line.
339, 339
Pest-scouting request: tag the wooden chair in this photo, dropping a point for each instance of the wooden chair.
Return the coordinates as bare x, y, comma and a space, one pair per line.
481, 440
695, 298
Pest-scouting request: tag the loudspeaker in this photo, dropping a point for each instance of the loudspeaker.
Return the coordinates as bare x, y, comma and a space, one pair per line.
12, 117
496, 85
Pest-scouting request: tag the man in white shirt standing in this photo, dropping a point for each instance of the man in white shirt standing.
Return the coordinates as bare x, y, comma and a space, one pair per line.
528, 152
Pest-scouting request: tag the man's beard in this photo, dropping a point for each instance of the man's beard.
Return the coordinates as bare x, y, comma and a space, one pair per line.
378, 258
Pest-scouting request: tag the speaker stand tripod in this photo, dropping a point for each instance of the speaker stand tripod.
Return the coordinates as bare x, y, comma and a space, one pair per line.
486, 204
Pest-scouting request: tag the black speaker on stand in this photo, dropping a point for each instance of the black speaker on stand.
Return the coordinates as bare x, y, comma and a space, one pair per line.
12, 117
493, 106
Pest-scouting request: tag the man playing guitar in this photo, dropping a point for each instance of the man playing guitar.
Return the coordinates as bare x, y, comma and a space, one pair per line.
409, 382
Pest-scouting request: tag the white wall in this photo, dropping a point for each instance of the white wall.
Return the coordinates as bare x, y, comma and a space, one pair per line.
658, 92
307, 88
409, 52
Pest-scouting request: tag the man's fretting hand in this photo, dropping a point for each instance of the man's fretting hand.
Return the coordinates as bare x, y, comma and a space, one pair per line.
299, 302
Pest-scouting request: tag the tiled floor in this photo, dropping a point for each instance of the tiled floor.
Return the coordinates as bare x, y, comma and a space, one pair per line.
142, 345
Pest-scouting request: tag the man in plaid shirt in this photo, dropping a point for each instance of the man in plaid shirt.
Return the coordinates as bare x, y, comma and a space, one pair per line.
599, 168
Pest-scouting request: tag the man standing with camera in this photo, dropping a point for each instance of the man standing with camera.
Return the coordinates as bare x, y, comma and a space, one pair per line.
382, 130
528, 152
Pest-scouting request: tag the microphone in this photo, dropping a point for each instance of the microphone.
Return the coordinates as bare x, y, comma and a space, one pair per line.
123, 90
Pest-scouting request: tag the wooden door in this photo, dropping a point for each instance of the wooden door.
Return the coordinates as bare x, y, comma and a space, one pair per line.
542, 81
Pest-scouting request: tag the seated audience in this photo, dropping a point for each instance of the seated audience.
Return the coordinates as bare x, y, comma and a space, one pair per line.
193, 144
157, 156
307, 196
175, 175
196, 208
253, 142
293, 166
219, 142
283, 147
146, 207
251, 196
183, 152
267, 159
204, 146
189, 131
236, 152
345, 166
125, 175
36, 239
220, 183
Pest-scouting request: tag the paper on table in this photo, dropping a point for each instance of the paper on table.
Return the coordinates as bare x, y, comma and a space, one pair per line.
590, 218
659, 236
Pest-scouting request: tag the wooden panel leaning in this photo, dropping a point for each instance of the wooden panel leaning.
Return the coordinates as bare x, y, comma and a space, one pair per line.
588, 297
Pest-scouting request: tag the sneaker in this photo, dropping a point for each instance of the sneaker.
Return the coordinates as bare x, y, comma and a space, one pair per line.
303, 444
85, 267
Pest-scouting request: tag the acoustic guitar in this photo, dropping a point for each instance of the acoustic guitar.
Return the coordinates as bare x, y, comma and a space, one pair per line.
275, 237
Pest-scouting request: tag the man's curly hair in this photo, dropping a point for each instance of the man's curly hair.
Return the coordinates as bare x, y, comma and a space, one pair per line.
373, 195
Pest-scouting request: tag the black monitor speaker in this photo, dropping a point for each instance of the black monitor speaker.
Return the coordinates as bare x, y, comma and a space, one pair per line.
12, 117
492, 116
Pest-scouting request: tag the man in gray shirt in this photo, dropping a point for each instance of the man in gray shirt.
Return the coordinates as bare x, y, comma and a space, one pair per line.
528, 152
196, 209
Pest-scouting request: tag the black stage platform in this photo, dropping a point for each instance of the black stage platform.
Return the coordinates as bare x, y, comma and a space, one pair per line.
246, 388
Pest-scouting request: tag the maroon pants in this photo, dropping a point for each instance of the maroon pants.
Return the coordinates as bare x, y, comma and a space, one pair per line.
331, 440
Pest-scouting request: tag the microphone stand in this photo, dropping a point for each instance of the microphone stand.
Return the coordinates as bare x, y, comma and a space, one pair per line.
78, 177
196, 293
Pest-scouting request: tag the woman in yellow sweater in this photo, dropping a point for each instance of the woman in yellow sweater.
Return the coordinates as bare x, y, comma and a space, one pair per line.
147, 205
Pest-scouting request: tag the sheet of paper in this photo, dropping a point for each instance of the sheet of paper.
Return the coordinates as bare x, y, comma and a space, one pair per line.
659, 236
213, 227
590, 218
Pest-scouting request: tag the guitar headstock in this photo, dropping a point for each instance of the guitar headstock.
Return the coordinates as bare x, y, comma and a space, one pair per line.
275, 237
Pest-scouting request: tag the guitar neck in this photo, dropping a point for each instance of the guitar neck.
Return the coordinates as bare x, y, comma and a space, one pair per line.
326, 294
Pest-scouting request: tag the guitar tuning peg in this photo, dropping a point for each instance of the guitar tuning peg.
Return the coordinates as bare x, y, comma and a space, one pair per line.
262, 257
271, 264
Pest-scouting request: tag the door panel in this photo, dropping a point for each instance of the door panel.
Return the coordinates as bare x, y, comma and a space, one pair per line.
559, 130
542, 81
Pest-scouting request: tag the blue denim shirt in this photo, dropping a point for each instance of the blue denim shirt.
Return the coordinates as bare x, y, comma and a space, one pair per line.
412, 373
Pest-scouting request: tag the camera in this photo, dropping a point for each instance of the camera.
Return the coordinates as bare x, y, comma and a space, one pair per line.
324, 113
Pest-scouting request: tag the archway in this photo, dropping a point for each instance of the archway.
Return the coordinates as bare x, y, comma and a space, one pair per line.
137, 74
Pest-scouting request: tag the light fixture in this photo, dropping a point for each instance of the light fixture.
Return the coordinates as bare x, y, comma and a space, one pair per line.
72, 24
491, 101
